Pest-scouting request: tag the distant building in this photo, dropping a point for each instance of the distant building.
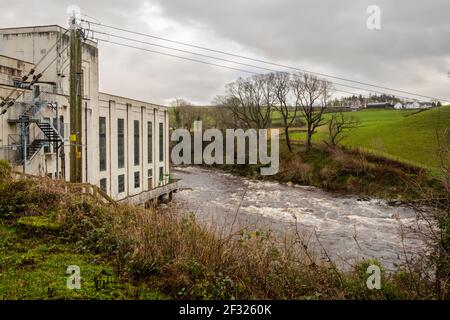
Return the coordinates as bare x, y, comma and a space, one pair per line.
425, 105
411, 105
379, 105
398, 106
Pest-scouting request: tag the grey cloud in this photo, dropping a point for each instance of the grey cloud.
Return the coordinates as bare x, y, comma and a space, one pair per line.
411, 52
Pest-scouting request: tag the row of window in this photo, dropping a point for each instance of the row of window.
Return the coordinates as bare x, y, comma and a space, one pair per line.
137, 180
121, 142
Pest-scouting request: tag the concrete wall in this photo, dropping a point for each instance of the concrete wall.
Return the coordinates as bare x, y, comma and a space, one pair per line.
113, 108
31, 44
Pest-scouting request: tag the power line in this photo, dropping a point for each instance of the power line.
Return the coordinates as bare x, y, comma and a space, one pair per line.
31, 73
175, 56
11, 102
264, 61
232, 68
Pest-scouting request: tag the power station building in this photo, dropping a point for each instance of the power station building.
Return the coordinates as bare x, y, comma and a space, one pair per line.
125, 142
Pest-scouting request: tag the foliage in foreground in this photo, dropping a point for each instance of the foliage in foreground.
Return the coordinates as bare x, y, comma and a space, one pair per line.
131, 252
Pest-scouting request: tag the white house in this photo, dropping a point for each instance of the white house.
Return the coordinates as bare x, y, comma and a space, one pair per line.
398, 106
125, 147
412, 105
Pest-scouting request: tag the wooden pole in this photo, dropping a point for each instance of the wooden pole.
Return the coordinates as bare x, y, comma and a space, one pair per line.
75, 107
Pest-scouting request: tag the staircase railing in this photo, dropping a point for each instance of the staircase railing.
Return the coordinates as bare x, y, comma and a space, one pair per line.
92, 190
82, 188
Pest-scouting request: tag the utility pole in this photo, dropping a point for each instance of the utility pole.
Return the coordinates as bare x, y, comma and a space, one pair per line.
57, 143
75, 103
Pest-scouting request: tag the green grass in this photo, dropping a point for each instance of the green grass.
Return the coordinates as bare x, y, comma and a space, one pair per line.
405, 135
35, 268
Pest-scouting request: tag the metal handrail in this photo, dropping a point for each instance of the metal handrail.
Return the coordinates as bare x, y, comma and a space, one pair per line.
85, 188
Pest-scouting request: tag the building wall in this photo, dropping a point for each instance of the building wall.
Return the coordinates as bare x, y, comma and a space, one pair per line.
113, 108
31, 44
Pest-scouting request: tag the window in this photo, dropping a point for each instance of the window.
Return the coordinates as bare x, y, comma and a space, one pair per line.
61, 126
161, 175
121, 183
102, 142
137, 180
136, 142
103, 184
120, 143
36, 92
161, 142
149, 142
150, 178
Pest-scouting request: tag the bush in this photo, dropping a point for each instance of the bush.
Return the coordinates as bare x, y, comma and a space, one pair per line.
15, 198
27, 197
5, 170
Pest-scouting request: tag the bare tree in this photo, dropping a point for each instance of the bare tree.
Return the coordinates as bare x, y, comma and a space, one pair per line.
338, 125
223, 116
311, 95
282, 89
251, 100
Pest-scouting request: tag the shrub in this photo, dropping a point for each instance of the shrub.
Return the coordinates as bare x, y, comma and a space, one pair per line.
14, 198
27, 197
5, 170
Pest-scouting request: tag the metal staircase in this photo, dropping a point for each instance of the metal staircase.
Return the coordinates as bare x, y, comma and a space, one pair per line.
50, 132
34, 148
30, 115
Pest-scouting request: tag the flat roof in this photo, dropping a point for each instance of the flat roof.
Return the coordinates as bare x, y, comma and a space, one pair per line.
131, 99
30, 27
57, 28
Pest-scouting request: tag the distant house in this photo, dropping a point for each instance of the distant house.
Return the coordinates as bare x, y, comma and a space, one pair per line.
379, 105
412, 105
425, 105
398, 106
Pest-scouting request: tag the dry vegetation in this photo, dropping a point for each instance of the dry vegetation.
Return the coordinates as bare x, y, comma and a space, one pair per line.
179, 258
348, 171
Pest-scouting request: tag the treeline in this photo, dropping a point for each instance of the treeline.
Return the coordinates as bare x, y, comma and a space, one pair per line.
298, 100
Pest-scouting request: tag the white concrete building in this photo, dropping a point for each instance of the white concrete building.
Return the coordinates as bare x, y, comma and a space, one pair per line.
125, 142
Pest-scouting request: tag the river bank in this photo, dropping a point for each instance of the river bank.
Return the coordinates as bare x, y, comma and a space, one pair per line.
349, 228
132, 252
346, 171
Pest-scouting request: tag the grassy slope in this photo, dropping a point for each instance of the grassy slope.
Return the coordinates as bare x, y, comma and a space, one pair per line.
399, 134
34, 267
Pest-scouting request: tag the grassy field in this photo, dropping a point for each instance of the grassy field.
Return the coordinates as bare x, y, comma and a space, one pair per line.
405, 135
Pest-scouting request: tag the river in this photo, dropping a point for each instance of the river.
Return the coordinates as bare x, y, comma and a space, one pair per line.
348, 228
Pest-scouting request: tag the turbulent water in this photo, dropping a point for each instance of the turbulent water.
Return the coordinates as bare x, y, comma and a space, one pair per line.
348, 228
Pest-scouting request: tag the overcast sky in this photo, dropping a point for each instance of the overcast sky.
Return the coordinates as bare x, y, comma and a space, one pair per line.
411, 51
